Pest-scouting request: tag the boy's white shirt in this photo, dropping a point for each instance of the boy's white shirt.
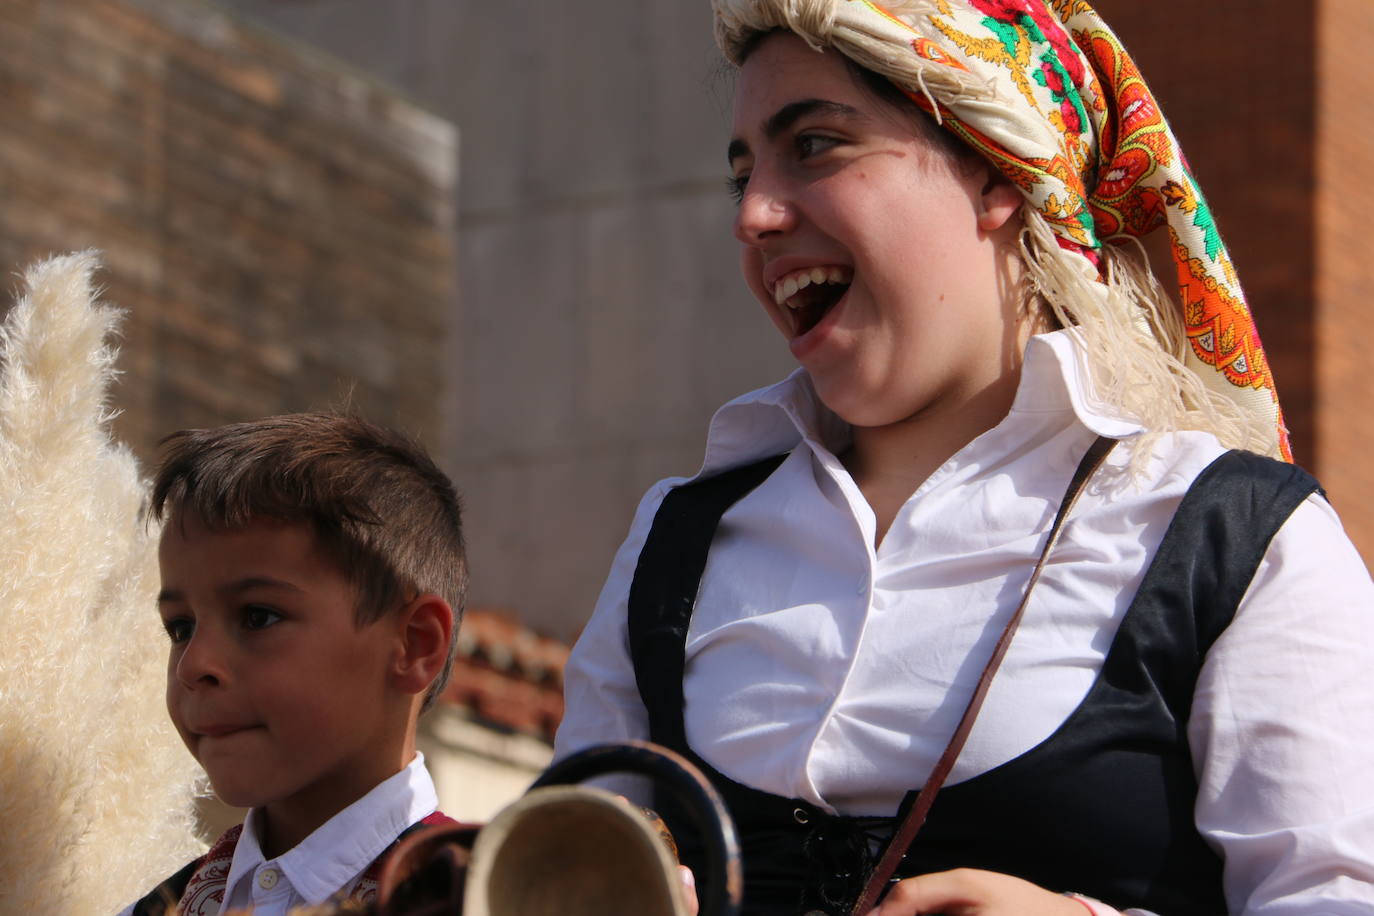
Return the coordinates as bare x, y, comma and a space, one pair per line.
334, 857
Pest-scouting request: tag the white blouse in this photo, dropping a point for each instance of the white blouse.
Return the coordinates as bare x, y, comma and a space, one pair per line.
823, 669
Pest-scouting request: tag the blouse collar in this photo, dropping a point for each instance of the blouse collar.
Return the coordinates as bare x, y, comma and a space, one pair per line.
1054, 380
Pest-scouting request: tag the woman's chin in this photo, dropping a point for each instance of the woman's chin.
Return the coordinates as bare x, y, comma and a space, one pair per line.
846, 399
868, 401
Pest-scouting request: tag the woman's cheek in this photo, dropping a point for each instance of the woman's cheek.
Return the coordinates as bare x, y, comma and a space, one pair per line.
751, 266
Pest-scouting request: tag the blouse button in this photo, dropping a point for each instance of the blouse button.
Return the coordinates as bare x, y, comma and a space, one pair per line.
800, 816
267, 878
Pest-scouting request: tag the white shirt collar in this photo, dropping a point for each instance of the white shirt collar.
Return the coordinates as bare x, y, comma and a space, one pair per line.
341, 849
771, 420
1055, 376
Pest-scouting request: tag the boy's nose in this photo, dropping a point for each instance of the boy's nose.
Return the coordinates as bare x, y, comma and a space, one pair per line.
200, 664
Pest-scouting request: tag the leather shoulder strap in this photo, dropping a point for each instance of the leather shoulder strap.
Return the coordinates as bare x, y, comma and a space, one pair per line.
1204, 564
911, 824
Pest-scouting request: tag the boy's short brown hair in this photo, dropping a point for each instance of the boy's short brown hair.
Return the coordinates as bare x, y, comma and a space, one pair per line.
381, 510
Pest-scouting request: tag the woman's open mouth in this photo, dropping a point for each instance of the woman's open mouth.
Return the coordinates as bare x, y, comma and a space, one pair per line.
808, 294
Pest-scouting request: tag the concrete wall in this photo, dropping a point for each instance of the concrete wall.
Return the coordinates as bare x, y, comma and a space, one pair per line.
601, 317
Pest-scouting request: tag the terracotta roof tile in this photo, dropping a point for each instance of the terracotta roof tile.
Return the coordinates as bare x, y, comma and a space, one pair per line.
506, 674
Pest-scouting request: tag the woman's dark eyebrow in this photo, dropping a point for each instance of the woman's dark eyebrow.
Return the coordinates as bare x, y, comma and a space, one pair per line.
788, 115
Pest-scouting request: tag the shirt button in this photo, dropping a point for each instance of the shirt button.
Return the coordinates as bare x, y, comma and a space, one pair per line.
862, 587
267, 878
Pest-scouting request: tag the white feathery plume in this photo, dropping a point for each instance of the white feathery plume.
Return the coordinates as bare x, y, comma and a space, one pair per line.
95, 787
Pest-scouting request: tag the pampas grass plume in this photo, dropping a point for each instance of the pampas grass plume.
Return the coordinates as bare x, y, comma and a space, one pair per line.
95, 787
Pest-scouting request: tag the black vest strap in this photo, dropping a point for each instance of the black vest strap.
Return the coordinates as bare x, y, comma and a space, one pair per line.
1139, 847
663, 591
1212, 548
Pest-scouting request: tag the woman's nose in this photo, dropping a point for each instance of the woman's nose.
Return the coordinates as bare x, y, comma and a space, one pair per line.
764, 212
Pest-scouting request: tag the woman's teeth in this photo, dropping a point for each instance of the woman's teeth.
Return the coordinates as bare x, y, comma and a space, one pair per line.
789, 285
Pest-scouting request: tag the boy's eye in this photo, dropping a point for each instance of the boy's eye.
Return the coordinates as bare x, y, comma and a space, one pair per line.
179, 629
258, 617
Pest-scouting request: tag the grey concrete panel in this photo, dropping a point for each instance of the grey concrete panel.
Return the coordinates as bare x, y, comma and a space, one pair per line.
593, 339
618, 289
518, 342
731, 346
542, 534
479, 66
578, 517
610, 322
495, 519
692, 90
590, 133
602, 318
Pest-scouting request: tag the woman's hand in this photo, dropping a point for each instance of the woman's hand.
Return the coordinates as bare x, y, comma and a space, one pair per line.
689, 889
971, 892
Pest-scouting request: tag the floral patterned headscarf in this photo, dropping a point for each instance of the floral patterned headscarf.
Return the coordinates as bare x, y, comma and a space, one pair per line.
1045, 92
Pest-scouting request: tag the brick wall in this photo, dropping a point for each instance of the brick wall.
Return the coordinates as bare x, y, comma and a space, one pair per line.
1274, 105
1344, 202
279, 229
1237, 83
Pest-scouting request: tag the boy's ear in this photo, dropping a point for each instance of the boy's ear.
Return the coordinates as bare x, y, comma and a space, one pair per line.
425, 628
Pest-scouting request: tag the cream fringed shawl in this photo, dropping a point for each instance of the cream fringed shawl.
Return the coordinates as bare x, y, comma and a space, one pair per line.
95, 786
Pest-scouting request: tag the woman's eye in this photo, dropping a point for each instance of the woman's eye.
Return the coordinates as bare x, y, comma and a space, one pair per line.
179, 629
809, 145
736, 185
258, 617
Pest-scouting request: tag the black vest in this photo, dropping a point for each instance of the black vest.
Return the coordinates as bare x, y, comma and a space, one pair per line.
1104, 806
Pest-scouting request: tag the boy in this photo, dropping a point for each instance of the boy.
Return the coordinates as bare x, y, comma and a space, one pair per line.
312, 577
